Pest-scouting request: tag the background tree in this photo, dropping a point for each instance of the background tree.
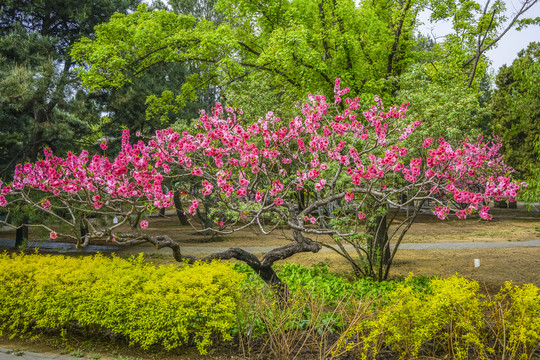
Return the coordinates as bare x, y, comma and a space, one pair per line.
279, 51
42, 105
516, 110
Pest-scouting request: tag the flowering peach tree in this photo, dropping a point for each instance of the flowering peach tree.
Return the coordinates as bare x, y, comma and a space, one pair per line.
335, 176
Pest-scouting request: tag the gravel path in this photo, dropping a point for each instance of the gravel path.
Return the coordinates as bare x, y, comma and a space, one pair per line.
11, 354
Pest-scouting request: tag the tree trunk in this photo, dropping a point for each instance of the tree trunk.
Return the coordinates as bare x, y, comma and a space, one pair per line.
84, 229
20, 235
179, 209
208, 223
381, 239
280, 289
379, 250
162, 212
301, 200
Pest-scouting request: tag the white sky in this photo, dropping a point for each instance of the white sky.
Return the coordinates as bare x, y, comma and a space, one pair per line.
508, 47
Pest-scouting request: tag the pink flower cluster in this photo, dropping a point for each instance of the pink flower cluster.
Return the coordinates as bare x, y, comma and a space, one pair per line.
133, 175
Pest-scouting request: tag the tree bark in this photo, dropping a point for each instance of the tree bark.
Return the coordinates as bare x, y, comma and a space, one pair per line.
179, 209
84, 229
20, 235
379, 252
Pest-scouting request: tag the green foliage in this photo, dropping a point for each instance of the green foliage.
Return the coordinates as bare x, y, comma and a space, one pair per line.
319, 281
41, 102
447, 109
516, 111
519, 321
262, 56
148, 305
451, 318
414, 317
170, 306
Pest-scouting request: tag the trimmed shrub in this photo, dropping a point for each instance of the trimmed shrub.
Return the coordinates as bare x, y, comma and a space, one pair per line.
133, 298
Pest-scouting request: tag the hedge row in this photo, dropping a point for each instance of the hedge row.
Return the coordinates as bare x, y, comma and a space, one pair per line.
148, 305
171, 306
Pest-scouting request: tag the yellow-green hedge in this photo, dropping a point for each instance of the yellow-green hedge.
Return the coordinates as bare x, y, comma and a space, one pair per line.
148, 305
451, 318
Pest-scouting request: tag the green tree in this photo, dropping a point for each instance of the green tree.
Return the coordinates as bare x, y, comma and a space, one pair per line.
264, 54
296, 45
448, 84
41, 102
516, 110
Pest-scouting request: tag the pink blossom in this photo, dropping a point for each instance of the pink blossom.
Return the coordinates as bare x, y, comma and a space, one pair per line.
6, 190
258, 196
103, 145
361, 216
46, 204
197, 172
337, 85
144, 224
427, 143
461, 214
53, 235
193, 207
312, 220
278, 159
484, 213
441, 212
241, 192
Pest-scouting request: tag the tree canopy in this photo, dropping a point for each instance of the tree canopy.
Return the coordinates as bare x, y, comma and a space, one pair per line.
516, 109
41, 102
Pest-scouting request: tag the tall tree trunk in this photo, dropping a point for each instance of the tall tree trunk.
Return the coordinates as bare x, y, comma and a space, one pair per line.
380, 252
22, 233
179, 209
84, 229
